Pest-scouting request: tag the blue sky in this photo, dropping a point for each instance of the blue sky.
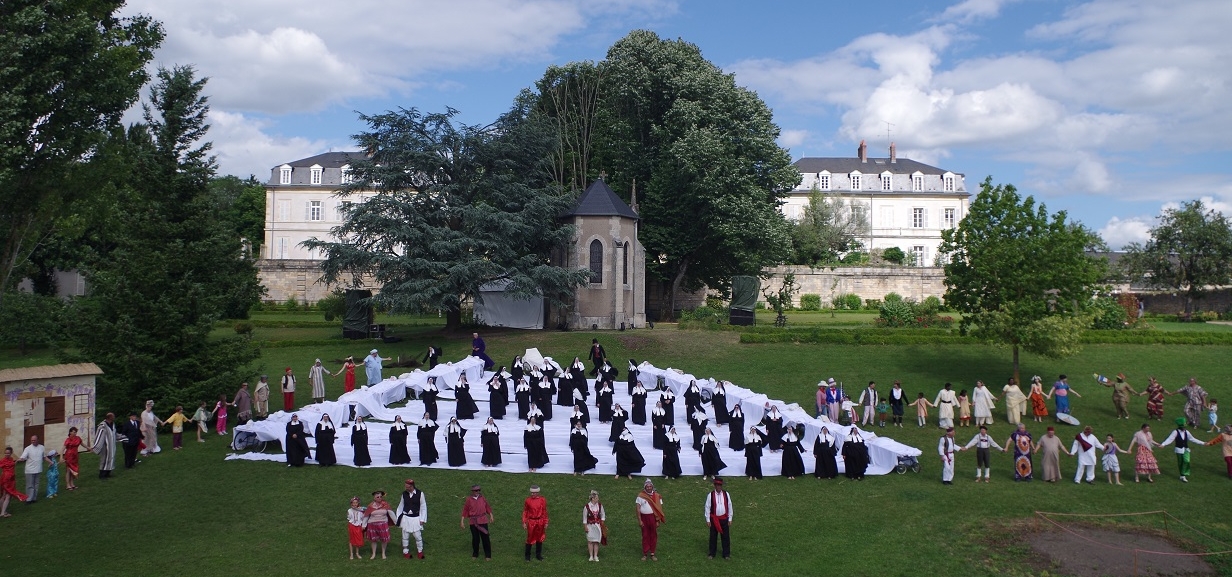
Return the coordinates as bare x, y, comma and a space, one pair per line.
1108, 109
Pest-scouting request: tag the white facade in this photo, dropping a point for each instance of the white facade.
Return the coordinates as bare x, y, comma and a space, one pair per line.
300, 204
907, 203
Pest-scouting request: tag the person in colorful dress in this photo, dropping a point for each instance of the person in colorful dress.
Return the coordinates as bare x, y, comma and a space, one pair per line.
149, 429
176, 420
1021, 441
72, 444
380, 515
921, 405
356, 523
8, 482
1182, 441
288, 390
316, 376
53, 474
1144, 458
1039, 402
1120, 394
220, 412
202, 418
348, 372
535, 521
1060, 394
964, 409
477, 515
1112, 465
1155, 394
105, 440
1212, 415
1224, 439
649, 505
594, 523
1195, 401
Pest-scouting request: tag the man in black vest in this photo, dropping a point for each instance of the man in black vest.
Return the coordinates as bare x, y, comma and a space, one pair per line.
131, 431
412, 515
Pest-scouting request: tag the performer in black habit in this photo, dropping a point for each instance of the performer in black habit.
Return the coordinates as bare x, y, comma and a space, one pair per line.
735, 428
718, 400
564, 390
603, 401
579, 400
578, 371
773, 422
498, 395
608, 372
398, 436
297, 444
465, 403
629, 460
825, 452
855, 455
326, 434
638, 414
522, 393
579, 443
698, 422
753, 442
619, 417
535, 444
455, 443
359, 442
577, 416
544, 393
668, 398
633, 374
428, 396
711, 462
489, 439
596, 356
671, 454
658, 425
692, 398
516, 370
793, 463
426, 435
433, 357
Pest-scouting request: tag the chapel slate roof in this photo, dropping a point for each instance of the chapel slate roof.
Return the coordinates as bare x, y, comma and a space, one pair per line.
326, 160
873, 166
599, 200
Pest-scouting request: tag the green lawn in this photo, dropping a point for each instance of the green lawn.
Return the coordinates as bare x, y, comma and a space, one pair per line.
191, 511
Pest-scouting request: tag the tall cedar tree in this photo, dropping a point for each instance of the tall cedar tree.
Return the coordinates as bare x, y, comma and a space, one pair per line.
1190, 250
169, 268
456, 207
1021, 277
69, 68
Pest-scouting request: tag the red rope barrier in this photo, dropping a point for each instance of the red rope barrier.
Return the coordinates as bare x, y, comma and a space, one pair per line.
1045, 516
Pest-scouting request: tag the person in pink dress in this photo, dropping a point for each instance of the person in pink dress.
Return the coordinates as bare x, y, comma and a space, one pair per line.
220, 411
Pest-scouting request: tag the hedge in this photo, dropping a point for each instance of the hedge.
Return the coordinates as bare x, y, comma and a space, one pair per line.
943, 337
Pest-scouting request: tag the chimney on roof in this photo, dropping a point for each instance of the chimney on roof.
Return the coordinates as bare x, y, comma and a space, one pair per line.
863, 152
893, 154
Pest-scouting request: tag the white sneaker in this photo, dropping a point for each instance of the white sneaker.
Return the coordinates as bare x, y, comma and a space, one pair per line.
1183, 479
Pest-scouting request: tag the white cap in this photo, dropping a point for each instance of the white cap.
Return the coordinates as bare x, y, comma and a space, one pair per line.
372, 352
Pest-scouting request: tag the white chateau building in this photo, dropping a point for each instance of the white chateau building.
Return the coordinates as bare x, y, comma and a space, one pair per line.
907, 203
300, 204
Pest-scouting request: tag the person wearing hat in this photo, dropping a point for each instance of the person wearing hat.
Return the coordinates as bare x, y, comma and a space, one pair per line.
316, 376
594, 523
821, 399
718, 518
1181, 440
1050, 462
535, 521
834, 399
649, 505
946, 447
372, 367
1120, 394
380, 516
288, 390
412, 514
1224, 439
261, 395
477, 514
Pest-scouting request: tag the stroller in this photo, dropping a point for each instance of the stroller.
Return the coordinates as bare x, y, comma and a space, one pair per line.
907, 462
247, 441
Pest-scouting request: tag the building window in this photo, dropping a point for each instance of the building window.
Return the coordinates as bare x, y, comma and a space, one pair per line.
949, 183
855, 181
344, 175
315, 174
917, 255
858, 213
887, 182
596, 262
917, 218
81, 404
625, 267
917, 183
949, 218
284, 174
316, 210
283, 243
823, 181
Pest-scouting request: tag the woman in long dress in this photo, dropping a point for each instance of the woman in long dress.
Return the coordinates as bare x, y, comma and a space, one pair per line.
579, 443
773, 422
543, 398
671, 454
793, 463
698, 422
855, 455
629, 460
489, 439
982, 404
516, 369
712, 463
638, 413
326, 434
464, 402
603, 402
753, 442
1051, 447
535, 444
1022, 443
428, 396
316, 376
498, 396
718, 400
619, 417
564, 393
692, 398
348, 372
1015, 402
825, 453
1039, 401
359, 442
898, 401
455, 443
735, 429
579, 402
1060, 395
71, 450
1155, 394
668, 398
522, 394
658, 426
426, 435
399, 454
1144, 456
577, 416
593, 523
297, 443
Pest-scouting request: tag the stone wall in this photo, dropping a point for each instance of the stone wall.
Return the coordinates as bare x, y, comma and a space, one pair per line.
1218, 300
915, 283
284, 279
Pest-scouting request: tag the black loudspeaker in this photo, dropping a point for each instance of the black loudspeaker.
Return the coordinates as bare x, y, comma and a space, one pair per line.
742, 318
357, 321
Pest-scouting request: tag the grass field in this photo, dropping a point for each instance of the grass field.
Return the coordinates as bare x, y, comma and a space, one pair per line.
191, 511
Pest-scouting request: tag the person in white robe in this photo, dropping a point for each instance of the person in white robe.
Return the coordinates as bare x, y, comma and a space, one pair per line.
261, 395
105, 446
412, 515
316, 376
946, 402
1085, 444
982, 404
946, 447
149, 429
1015, 402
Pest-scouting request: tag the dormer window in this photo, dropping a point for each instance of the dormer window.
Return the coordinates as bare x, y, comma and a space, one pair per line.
917, 182
855, 181
284, 174
887, 181
345, 174
948, 182
315, 174
823, 180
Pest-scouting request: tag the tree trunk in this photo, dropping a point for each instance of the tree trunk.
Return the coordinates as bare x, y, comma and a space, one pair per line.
1016, 379
671, 297
453, 319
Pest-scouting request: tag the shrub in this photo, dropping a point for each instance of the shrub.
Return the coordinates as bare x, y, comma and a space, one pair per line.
894, 255
810, 302
930, 306
244, 329
1109, 314
896, 313
855, 258
1208, 316
333, 306
893, 297
257, 307
291, 305
848, 302
872, 305
714, 301
759, 306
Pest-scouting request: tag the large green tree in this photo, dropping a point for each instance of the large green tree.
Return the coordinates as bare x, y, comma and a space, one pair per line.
455, 207
242, 203
1190, 250
1020, 276
68, 70
166, 267
827, 228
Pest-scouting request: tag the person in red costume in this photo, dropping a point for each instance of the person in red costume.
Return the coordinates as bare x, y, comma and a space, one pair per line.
535, 521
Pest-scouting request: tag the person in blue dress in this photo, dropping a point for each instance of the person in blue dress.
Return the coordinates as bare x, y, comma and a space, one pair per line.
1060, 394
478, 349
372, 367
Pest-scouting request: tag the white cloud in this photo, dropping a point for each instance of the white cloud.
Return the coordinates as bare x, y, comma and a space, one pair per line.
793, 138
243, 147
1120, 232
970, 10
